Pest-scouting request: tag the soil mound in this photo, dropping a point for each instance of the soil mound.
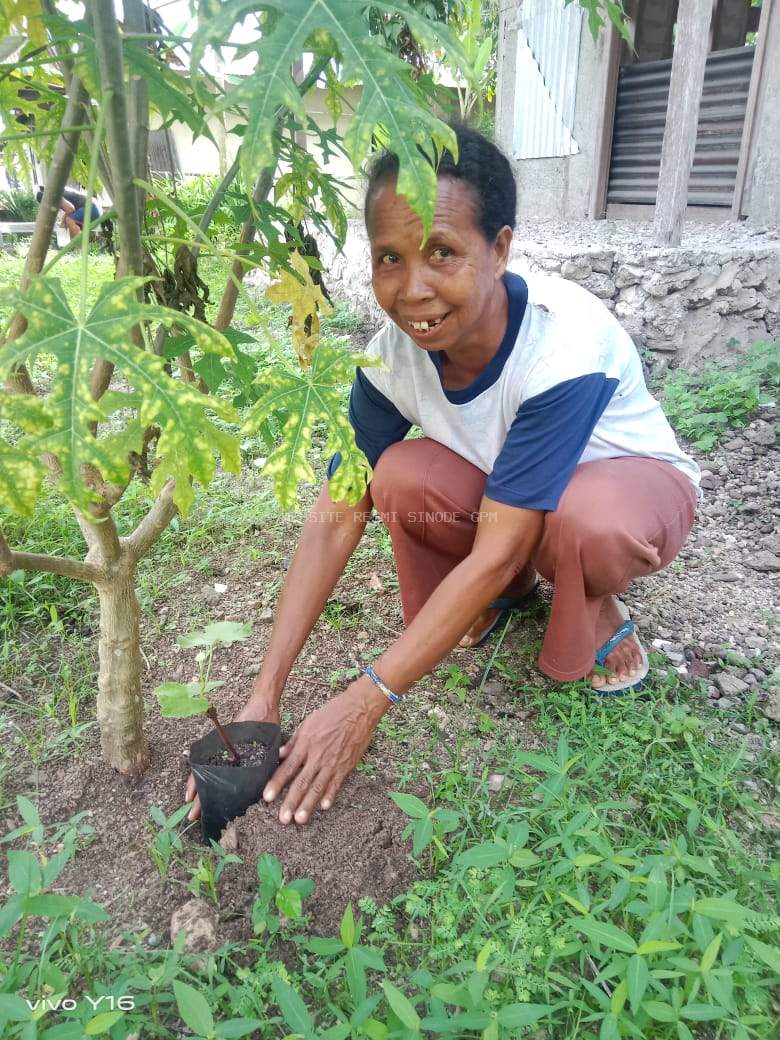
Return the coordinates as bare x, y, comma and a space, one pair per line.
352, 850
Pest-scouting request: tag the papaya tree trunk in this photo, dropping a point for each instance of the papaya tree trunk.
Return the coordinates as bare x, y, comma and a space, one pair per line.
120, 711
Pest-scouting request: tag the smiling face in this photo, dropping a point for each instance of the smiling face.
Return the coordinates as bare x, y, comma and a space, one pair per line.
447, 295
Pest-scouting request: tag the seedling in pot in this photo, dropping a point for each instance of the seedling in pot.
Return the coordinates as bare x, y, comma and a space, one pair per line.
181, 700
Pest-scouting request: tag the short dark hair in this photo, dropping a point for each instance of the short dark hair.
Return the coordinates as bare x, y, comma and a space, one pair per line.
481, 165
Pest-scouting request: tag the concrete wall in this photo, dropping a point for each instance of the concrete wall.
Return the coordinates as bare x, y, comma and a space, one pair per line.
684, 305
557, 188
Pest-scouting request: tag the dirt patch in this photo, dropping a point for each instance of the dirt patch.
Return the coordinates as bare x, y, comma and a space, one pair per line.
353, 850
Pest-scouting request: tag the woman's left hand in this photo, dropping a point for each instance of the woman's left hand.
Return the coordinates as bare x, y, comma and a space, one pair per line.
324, 749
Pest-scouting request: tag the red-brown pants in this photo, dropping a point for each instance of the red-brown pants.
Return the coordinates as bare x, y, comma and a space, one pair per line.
618, 519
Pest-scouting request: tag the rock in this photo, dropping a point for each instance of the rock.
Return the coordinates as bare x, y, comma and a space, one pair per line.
496, 781
627, 275
576, 269
214, 594
709, 481
772, 543
265, 616
771, 708
600, 285
727, 576
439, 715
765, 562
734, 444
251, 670
730, 685
725, 704
761, 433
675, 657
739, 727
153, 940
199, 922
494, 690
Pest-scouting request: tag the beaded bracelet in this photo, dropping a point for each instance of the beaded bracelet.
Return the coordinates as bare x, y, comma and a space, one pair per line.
369, 671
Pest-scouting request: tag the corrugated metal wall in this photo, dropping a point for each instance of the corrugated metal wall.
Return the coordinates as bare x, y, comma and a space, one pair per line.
548, 48
640, 115
163, 157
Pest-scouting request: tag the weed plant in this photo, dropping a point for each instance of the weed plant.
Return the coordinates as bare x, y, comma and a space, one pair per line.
703, 406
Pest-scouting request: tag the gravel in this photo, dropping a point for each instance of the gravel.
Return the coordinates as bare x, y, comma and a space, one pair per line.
722, 595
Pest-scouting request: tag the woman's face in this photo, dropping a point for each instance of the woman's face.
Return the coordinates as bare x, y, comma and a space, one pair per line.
445, 294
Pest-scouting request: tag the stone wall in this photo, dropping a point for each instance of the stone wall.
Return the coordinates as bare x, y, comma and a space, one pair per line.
684, 305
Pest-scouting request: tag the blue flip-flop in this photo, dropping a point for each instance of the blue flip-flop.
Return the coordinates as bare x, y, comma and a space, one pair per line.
628, 628
505, 604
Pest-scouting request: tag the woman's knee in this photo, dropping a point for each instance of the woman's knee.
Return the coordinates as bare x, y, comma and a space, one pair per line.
605, 552
394, 477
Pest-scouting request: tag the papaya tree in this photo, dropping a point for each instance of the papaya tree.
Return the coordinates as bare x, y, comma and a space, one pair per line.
135, 385
129, 387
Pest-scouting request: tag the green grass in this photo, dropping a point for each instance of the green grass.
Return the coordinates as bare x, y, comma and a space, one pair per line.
616, 885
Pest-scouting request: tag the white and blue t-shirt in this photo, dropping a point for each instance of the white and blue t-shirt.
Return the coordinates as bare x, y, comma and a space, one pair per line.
565, 386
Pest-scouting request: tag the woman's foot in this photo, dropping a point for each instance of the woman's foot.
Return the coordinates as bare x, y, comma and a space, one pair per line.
524, 583
625, 660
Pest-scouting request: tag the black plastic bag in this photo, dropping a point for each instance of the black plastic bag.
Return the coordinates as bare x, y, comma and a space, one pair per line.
227, 791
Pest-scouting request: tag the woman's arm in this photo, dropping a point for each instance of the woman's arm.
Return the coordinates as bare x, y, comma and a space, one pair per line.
329, 537
332, 740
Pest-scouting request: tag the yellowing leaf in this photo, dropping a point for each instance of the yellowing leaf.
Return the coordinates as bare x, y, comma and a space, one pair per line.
657, 946
307, 302
188, 438
20, 470
27, 14
309, 396
574, 902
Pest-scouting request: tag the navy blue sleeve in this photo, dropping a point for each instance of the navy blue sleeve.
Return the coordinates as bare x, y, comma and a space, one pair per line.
375, 419
546, 440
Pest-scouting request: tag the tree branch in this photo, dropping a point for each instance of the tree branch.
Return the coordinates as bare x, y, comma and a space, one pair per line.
10, 560
153, 524
127, 150
216, 201
109, 51
229, 299
138, 97
56, 179
227, 305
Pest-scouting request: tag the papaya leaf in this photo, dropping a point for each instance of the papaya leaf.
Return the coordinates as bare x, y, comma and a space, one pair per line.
188, 438
391, 102
179, 701
307, 302
28, 15
20, 470
309, 396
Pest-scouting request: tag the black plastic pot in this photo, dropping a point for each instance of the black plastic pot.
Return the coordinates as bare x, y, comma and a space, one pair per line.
227, 791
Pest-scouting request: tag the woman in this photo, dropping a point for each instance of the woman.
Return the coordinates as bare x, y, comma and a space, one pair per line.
542, 452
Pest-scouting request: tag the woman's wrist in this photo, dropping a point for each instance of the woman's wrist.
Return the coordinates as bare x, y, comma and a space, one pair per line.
263, 693
370, 696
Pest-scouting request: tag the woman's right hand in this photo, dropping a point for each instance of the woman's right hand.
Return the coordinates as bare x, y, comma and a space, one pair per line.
257, 709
